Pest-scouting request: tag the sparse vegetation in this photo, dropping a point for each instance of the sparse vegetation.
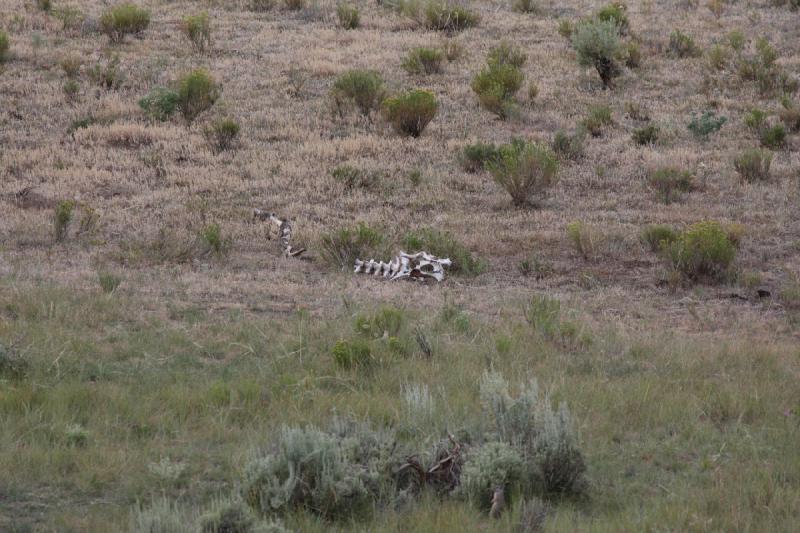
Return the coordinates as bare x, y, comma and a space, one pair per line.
348, 16
4, 46
197, 28
646, 135
62, 219
599, 117
616, 12
342, 247
658, 237
160, 103
682, 45
706, 124
423, 61
524, 169
670, 183
702, 252
569, 145
410, 112
363, 88
753, 164
444, 244
498, 82
221, 134
475, 157
444, 15
124, 19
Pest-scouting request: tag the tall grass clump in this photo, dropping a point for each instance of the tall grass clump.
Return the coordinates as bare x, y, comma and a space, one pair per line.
362, 88
342, 247
62, 218
411, 111
5, 45
597, 45
423, 60
704, 251
197, 92
524, 169
658, 237
221, 134
124, 19
444, 15
348, 16
197, 28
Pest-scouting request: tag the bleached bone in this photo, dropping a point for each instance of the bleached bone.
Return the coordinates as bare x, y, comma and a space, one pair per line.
284, 231
419, 266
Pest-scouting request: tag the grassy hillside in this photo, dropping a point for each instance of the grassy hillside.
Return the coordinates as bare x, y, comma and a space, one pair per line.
632, 248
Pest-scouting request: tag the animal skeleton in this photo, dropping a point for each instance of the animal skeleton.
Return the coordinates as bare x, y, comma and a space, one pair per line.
419, 266
284, 231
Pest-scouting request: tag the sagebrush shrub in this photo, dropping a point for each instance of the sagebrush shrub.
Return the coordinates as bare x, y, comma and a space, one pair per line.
646, 135
569, 145
364, 88
228, 516
444, 244
348, 16
336, 474
597, 45
197, 92
474, 157
493, 465
124, 19
599, 117
753, 164
221, 133
197, 28
616, 12
4, 46
342, 247
682, 45
496, 86
524, 169
658, 237
423, 61
445, 16
670, 183
160, 516
160, 103
411, 111
706, 124
703, 251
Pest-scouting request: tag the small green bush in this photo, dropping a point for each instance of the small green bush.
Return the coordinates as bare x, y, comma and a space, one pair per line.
755, 119
703, 251
599, 117
71, 65
566, 28
5, 45
496, 86
474, 157
411, 111
212, 239
718, 57
221, 133
228, 516
197, 92
351, 177
106, 75
71, 89
62, 218
423, 61
671, 183
682, 45
773, 137
586, 239
569, 146
616, 12
706, 124
348, 16
342, 247
160, 103
524, 169
597, 45
632, 54
657, 237
444, 244
124, 19
753, 164
506, 54
646, 135
364, 88
197, 28
442, 15
386, 322
525, 6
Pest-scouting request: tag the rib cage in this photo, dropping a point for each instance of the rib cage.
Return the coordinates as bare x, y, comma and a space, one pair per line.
419, 266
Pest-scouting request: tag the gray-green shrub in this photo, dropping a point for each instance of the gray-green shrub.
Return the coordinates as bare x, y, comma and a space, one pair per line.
160, 103
411, 111
704, 251
489, 467
221, 133
364, 88
423, 60
474, 157
197, 28
753, 164
670, 183
444, 15
658, 237
343, 246
124, 19
444, 244
197, 92
496, 86
348, 16
597, 45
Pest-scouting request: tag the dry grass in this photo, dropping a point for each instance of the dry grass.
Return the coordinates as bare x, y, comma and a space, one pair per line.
143, 178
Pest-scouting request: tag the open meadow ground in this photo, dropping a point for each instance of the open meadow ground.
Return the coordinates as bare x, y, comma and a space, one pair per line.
163, 367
